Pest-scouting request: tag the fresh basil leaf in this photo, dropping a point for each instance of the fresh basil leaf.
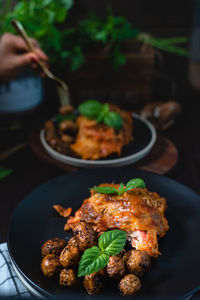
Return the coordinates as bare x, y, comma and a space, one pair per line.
59, 118
90, 109
105, 190
92, 261
105, 108
113, 119
4, 172
121, 188
100, 117
112, 242
135, 183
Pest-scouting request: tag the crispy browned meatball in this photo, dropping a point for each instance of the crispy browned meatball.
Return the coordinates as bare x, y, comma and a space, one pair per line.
73, 241
93, 283
66, 110
85, 235
137, 261
66, 139
50, 265
115, 267
130, 284
50, 130
70, 256
68, 277
68, 125
54, 246
54, 142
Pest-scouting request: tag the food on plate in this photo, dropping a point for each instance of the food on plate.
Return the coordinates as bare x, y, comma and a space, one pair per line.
115, 267
54, 246
50, 265
98, 131
63, 212
129, 285
137, 211
137, 261
93, 283
68, 278
85, 235
70, 256
115, 218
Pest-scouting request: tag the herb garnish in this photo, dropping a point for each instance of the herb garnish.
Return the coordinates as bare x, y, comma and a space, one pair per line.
110, 243
59, 118
4, 172
131, 184
93, 109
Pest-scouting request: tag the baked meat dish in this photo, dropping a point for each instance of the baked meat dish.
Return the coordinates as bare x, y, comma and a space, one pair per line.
88, 138
139, 212
136, 213
96, 140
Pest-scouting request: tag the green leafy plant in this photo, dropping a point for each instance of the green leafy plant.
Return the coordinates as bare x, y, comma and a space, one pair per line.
93, 109
41, 19
110, 243
131, 184
66, 45
4, 172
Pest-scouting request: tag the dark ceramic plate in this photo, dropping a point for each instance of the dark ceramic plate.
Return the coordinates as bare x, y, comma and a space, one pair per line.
144, 135
173, 274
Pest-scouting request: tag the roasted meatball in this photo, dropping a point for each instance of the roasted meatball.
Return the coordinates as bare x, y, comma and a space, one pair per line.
54, 246
50, 265
93, 283
66, 138
115, 267
85, 235
66, 110
73, 241
68, 125
50, 130
137, 261
130, 284
68, 277
70, 256
54, 142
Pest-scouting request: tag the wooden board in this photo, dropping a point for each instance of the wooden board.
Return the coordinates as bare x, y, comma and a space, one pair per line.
160, 160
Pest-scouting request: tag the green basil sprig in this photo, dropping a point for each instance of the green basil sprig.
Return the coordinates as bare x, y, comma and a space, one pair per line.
93, 109
59, 118
131, 184
96, 258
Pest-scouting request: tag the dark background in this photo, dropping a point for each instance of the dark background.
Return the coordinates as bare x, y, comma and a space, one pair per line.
161, 18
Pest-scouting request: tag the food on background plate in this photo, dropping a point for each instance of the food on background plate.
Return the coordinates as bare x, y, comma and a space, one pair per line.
98, 131
115, 232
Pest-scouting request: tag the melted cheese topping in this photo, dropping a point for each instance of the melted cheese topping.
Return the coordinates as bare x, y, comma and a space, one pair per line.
139, 212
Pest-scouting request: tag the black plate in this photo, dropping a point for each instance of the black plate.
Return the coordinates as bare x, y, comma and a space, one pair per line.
174, 273
144, 137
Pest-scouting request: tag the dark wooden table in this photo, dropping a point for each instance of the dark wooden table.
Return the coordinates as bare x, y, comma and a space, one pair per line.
30, 172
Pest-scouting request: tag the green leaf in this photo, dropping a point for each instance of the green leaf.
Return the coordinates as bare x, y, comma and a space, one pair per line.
112, 242
113, 119
90, 109
175, 40
105, 190
59, 118
121, 188
92, 261
4, 172
105, 108
100, 117
103, 113
135, 183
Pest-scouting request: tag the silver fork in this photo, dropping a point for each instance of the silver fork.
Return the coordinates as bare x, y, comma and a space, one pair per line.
61, 86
